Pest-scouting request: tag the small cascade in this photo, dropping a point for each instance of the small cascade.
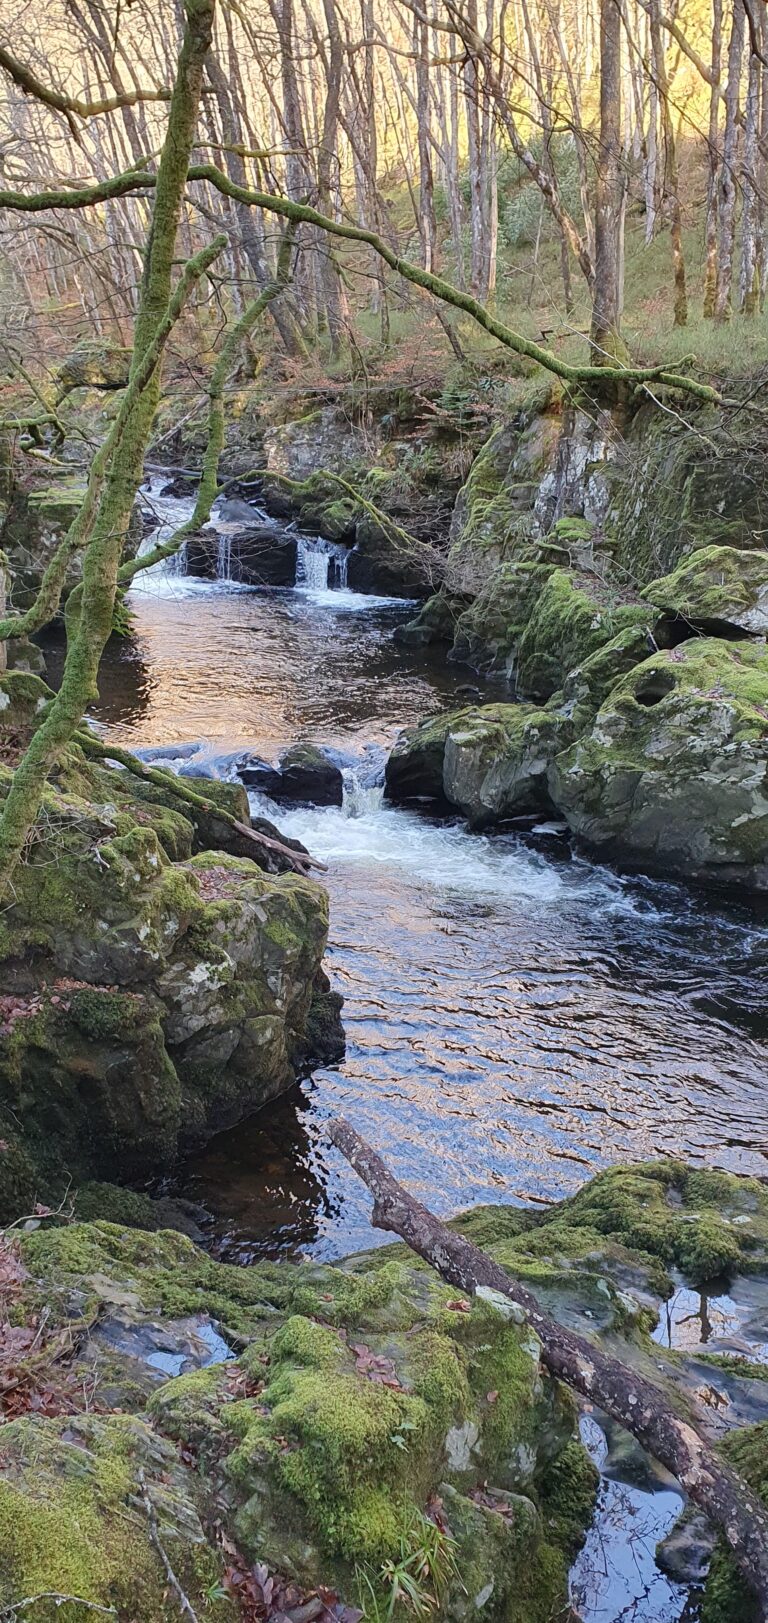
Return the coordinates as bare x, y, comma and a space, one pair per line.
224, 557
321, 565
361, 799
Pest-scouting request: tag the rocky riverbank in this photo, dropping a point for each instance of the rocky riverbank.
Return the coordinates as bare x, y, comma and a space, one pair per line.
358, 1437
616, 576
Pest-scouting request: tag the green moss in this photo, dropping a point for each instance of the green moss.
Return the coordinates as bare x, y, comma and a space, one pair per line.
72, 1519
726, 1596
574, 616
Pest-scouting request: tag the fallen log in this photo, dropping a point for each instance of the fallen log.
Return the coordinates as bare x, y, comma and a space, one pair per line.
628, 1398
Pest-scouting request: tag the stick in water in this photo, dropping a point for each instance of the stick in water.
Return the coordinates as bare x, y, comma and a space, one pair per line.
628, 1398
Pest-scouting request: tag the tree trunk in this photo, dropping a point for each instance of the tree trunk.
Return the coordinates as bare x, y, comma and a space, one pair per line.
728, 169
748, 278
88, 635
427, 222
627, 1397
671, 179
713, 142
605, 334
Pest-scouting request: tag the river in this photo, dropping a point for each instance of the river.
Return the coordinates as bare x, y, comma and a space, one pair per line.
517, 1017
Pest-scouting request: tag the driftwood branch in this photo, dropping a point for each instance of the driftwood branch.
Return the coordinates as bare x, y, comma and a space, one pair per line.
634, 1402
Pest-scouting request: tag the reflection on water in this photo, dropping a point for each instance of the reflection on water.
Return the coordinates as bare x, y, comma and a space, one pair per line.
615, 1574
259, 669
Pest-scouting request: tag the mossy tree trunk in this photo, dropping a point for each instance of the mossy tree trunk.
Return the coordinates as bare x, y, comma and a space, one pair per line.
89, 634
607, 295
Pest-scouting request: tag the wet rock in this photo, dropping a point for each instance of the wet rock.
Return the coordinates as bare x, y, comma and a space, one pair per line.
363, 1400
414, 770
305, 774
686, 1553
261, 554
233, 510
434, 623
150, 995
673, 773
496, 761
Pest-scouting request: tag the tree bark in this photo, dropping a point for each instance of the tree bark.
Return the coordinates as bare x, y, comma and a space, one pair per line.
634, 1402
671, 178
713, 140
727, 186
748, 277
609, 196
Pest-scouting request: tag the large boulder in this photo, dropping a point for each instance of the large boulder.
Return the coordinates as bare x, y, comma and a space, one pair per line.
305, 774
371, 1413
673, 772
496, 761
488, 633
95, 363
718, 590
494, 512
323, 440
414, 769
150, 995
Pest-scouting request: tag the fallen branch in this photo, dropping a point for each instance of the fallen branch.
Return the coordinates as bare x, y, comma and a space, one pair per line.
154, 1533
628, 1398
168, 782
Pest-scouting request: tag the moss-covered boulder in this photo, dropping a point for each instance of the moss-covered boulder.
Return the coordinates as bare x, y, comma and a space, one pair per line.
722, 590
673, 773
573, 615
496, 761
368, 1400
434, 623
95, 363
589, 683
149, 995
494, 516
87, 1504
489, 631
414, 769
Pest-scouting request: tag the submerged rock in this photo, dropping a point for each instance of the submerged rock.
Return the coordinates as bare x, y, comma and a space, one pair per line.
673, 772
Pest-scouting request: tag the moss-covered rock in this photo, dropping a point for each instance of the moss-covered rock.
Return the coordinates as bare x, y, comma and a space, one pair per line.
726, 1596
84, 1501
95, 363
36, 522
673, 772
722, 590
414, 769
572, 617
497, 758
150, 995
493, 517
489, 631
434, 623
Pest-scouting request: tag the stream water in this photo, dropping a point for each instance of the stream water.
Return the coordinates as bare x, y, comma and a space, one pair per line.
516, 1017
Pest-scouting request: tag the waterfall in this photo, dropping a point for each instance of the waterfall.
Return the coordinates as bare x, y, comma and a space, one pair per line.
360, 799
224, 557
320, 564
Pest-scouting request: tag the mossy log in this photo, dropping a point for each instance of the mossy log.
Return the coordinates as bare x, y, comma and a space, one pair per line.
628, 1398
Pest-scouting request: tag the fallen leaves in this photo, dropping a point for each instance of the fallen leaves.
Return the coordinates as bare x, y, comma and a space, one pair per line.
265, 1597
375, 1367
